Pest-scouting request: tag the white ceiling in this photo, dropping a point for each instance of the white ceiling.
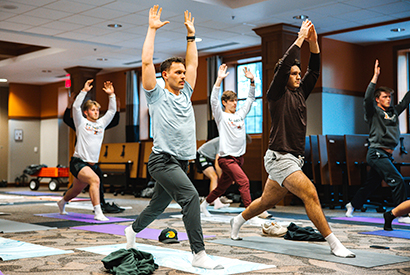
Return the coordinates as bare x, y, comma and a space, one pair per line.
76, 31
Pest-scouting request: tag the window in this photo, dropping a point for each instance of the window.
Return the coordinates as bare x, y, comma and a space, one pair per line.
253, 121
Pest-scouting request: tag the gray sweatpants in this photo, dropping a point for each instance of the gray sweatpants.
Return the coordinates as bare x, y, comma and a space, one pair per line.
172, 183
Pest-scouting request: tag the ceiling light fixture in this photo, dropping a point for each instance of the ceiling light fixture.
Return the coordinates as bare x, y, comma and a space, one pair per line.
397, 30
102, 59
198, 39
46, 71
3, 80
9, 7
115, 26
300, 17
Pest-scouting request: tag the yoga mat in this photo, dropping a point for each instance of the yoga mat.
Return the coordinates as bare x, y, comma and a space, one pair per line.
313, 251
30, 193
81, 205
396, 233
368, 220
211, 208
117, 229
81, 217
7, 226
12, 250
181, 260
62, 224
253, 222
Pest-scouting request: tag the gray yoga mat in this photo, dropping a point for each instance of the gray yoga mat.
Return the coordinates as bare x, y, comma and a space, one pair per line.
7, 226
313, 251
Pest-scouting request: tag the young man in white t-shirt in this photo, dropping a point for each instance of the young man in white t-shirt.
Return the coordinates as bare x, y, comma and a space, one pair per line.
232, 141
90, 134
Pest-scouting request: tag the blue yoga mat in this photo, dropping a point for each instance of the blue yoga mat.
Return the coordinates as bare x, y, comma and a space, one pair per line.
396, 233
12, 250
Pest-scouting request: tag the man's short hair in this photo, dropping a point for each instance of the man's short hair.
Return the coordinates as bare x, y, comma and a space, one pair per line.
89, 103
280, 61
228, 95
381, 89
166, 64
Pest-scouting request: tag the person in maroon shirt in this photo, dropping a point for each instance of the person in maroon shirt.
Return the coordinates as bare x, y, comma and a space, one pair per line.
284, 158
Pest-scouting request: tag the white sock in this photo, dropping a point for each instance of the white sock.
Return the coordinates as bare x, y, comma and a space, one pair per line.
130, 236
349, 210
61, 205
98, 214
218, 204
203, 209
338, 249
202, 260
236, 224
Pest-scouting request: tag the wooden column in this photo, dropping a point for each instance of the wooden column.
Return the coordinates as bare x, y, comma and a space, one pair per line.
78, 76
276, 39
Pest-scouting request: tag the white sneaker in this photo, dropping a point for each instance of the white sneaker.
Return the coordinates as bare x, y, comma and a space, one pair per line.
225, 200
274, 229
404, 219
265, 215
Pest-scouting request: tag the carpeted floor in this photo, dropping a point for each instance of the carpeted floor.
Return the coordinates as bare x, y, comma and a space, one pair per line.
79, 260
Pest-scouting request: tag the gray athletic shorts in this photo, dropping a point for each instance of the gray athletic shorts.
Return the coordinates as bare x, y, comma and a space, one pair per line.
280, 165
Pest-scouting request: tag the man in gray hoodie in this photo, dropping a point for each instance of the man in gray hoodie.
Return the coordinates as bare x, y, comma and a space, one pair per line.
384, 133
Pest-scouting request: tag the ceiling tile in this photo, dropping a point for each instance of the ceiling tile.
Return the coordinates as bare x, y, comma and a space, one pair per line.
48, 14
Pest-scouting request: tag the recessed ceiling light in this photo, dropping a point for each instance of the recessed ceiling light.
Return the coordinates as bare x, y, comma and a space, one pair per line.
102, 59
9, 7
398, 30
300, 17
3, 80
114, 26
198, 39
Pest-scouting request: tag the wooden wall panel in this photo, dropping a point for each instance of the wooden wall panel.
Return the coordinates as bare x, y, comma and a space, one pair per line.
24, 101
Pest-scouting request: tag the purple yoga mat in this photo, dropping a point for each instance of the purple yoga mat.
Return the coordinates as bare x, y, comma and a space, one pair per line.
81, 217
396, 233
368, 219
118, 229
30, 193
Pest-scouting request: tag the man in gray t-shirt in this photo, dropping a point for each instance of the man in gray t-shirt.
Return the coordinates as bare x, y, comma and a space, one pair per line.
173, 125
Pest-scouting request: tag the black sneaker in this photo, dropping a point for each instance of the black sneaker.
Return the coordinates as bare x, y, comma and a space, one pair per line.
107, 208
115, 206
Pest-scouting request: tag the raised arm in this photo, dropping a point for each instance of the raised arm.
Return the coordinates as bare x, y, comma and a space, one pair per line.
369, 101
112, 106
77, 113
215, 100
303, 33
244, 110
312, 39
191, 58
148, 70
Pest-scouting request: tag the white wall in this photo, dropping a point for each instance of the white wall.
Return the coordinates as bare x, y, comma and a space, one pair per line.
343, 115
49, 142
22, 153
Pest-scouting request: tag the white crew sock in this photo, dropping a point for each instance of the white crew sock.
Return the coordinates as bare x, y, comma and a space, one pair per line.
218, 204
236, 224
202, 260
61, 205
338, 249
203, 209
130, 236
349, 210
98, 214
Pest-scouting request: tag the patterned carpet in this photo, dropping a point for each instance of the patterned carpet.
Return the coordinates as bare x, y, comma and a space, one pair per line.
79, 262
